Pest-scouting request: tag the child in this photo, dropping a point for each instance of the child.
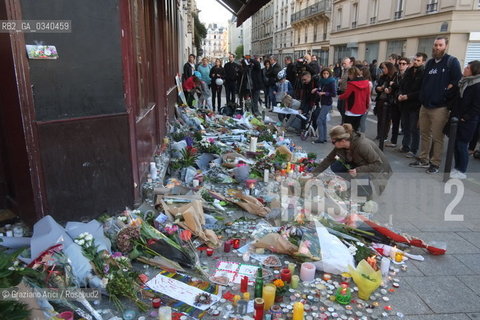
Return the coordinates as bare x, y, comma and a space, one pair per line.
205, 95
283, 87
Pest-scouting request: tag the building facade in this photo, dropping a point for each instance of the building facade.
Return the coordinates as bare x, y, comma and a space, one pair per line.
235, 35
283, 32
215, 45
185, 15
263, 30
374, 29
311, 22
247, 36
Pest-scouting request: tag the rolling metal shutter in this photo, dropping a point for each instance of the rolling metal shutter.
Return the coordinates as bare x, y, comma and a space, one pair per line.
473, 52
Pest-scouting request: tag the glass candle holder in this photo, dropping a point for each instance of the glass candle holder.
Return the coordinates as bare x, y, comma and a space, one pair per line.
209, 252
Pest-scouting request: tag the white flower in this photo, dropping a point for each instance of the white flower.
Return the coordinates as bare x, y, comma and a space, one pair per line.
89, 237
370, 207
136, 211
81, 242
337, 158
104, 282
122, 218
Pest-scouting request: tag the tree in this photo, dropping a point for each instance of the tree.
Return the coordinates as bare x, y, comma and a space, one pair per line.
239, 51
200, 33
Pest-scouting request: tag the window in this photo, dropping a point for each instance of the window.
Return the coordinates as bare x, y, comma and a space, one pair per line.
425, 45
374, 11
396, 46
315, 29
339, 18
432, 6
325, 26
399, 12
354, 15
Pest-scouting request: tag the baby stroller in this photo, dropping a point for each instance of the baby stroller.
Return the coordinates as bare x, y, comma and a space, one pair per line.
310, 130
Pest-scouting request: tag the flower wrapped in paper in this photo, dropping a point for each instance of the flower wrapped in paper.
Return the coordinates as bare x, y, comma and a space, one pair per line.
366, 278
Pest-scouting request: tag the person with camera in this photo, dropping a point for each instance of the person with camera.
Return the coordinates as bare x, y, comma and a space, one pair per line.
385, 99
251, 82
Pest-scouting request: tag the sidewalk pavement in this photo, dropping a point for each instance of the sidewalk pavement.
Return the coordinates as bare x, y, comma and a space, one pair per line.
417, 203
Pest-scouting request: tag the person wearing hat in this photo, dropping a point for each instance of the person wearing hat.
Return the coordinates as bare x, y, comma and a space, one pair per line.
356, 156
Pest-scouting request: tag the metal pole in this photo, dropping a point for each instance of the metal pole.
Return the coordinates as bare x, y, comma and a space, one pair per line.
450, 148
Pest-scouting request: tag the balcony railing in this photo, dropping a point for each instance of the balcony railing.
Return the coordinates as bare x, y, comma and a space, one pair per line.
432, 7
317, 8
354, 24
398, 14
373, 20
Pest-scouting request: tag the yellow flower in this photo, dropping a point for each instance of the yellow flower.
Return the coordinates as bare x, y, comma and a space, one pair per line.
278, 283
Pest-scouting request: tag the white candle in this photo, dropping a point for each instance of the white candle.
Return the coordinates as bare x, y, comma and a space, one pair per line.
253, 144
195, 183
385, 266
307, 271
165, 313
153, 171
266, 173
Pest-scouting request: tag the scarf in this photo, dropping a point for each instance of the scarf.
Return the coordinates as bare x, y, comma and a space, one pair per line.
466, 82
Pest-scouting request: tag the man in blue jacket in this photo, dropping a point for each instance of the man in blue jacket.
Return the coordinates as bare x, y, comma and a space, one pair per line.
442, 72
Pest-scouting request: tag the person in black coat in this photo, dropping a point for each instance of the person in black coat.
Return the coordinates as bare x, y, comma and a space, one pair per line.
467, 110
217, 74
409, 104
232, 70
272, 76
291, 70
251, 82
189, 67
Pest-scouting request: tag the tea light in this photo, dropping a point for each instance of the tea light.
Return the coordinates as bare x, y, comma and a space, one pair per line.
399, 256
209, 252
327, 276
236, 243
246, 296
156, 303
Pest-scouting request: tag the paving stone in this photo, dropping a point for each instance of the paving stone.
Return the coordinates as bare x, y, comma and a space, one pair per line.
474, 224
455, 243
473, 282
456, 316
406, 301
472, 237
445, 294
412, 270
447, 265
439, 225
474, 316
470, 260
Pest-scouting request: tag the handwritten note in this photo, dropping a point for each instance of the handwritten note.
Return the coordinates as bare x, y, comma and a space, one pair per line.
179, 291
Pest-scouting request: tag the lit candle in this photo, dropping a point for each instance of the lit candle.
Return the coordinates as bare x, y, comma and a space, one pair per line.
295, 281
286, 275
372, 261
253, 144
209, 252
165, 313
327, 276
398, 256
269, 295
236, 243
298, 311
385, 266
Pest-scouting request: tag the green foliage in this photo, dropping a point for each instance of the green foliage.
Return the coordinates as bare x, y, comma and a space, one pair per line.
311, 155
239, 51
10, 272
178, 136
14, 310
199, 31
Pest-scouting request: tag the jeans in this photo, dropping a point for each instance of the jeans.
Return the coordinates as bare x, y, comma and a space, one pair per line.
216, 93
395, 116
411, 134
465, 132
322, 122
363, 123
230, 88
473, 143
267, 94
273, 100
431, 123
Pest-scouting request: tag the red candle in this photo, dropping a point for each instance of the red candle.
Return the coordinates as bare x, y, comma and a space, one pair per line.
209, 252
258, 309
236, 243
286, 275
156, 303
227, 246
301, 168
244, 284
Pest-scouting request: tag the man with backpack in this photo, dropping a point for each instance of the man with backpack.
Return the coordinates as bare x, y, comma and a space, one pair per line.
442, 73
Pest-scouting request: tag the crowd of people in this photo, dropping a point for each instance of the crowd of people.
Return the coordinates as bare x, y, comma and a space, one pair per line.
414, 96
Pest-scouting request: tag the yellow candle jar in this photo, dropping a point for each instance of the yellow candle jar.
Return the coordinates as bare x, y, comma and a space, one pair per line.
298, 311
269, 295
295, 281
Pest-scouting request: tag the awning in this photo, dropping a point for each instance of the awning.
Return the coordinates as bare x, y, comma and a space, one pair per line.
243, 9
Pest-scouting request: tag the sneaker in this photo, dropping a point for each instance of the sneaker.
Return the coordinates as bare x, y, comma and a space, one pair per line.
458, 175
432, 169
410, 154
390, 145
418, 164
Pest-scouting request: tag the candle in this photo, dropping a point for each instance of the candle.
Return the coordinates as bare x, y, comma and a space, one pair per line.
236, 243
327, 276
244, 284
372, 261
195, 183
266, 174
156, 302
291, 267
269, 295
393, 250
236, 298
258, 309
209, 252
301, 168
295, 280
298, 311
385, 266
398, 256
307, 271
165, 313
253, 144
246, 296
286, 275
226, 246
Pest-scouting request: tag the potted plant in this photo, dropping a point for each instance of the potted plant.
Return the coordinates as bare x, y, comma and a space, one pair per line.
282, 289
